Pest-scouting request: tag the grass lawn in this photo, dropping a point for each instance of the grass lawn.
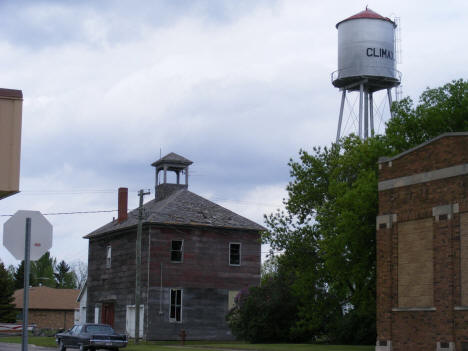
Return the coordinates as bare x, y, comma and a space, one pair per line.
35, 340
203, 345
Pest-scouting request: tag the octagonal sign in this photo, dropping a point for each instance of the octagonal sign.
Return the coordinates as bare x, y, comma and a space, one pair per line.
14, 234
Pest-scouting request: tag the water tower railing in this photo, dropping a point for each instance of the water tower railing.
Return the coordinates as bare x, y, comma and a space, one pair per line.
375, 71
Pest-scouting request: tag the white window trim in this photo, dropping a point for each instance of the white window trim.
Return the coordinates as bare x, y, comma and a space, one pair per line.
109, 256
97, 313
181, 250
174, 320
240, 254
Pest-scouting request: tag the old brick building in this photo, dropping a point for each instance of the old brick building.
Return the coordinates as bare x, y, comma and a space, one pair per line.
422, 247
49, 307
196, 256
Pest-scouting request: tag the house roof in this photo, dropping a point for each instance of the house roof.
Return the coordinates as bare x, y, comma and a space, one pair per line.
367, 13
182, 207
172, 158
452, 134
45, 298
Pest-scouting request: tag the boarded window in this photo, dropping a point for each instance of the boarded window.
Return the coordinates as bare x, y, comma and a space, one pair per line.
234, 254
231, 298
175, 313
464, 258
177, 250
130, 320
109, 257
415, 263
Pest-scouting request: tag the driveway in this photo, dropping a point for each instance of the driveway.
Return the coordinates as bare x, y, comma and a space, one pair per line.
6, 346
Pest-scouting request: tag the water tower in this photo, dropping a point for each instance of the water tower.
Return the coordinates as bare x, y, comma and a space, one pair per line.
366, 63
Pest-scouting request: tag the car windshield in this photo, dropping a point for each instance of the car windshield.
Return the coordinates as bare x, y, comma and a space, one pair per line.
104, 329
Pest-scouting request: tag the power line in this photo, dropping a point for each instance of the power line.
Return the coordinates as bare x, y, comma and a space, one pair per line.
68, 213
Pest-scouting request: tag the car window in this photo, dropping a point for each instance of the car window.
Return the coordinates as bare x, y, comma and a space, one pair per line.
72, 330
104, 329
76, 330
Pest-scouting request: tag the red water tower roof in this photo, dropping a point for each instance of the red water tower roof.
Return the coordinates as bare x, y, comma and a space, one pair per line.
367, 13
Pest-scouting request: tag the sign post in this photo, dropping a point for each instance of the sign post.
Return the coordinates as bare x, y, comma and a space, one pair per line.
27, 249
38, 240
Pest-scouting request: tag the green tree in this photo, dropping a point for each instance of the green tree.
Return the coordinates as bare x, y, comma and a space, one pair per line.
43, 271
64, 276
328, 237
264, 313
327, 232
19, 277
7, 308
440, 110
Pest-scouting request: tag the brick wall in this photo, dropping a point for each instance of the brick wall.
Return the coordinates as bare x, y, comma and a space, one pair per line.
204, 275
423, 196
51, 319
444, 152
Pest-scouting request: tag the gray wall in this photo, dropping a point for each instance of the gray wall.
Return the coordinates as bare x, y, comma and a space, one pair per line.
203, 315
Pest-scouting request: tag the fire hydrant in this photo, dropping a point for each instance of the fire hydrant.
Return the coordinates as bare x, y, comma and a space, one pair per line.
182, 335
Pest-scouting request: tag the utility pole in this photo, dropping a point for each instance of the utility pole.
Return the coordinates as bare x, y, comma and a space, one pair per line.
141, 194
27, 263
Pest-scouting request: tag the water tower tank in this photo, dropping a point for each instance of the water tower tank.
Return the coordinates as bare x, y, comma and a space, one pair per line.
366, 50
366, 63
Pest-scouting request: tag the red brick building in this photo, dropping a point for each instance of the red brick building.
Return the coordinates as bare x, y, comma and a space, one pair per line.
422, 247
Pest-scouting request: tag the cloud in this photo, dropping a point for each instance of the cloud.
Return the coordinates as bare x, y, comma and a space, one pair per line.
236, 86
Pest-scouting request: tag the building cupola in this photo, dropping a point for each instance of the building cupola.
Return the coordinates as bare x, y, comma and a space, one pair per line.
172, 163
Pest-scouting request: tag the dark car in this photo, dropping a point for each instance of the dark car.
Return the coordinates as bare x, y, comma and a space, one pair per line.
91, 337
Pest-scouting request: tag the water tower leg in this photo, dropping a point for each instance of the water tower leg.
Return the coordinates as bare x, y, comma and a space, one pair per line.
361, 91
340, 118
366, 114
371, 112
389, 94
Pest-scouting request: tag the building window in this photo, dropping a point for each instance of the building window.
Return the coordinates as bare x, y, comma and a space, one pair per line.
109, 257
416, 263
234, 254
177, 250
175, 313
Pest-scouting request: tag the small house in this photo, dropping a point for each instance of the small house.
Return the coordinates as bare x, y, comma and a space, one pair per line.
48, 307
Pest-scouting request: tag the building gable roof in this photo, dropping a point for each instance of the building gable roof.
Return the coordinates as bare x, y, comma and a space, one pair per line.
182, 207
45, 298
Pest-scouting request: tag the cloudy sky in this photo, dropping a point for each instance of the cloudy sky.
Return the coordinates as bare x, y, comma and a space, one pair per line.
236, 86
